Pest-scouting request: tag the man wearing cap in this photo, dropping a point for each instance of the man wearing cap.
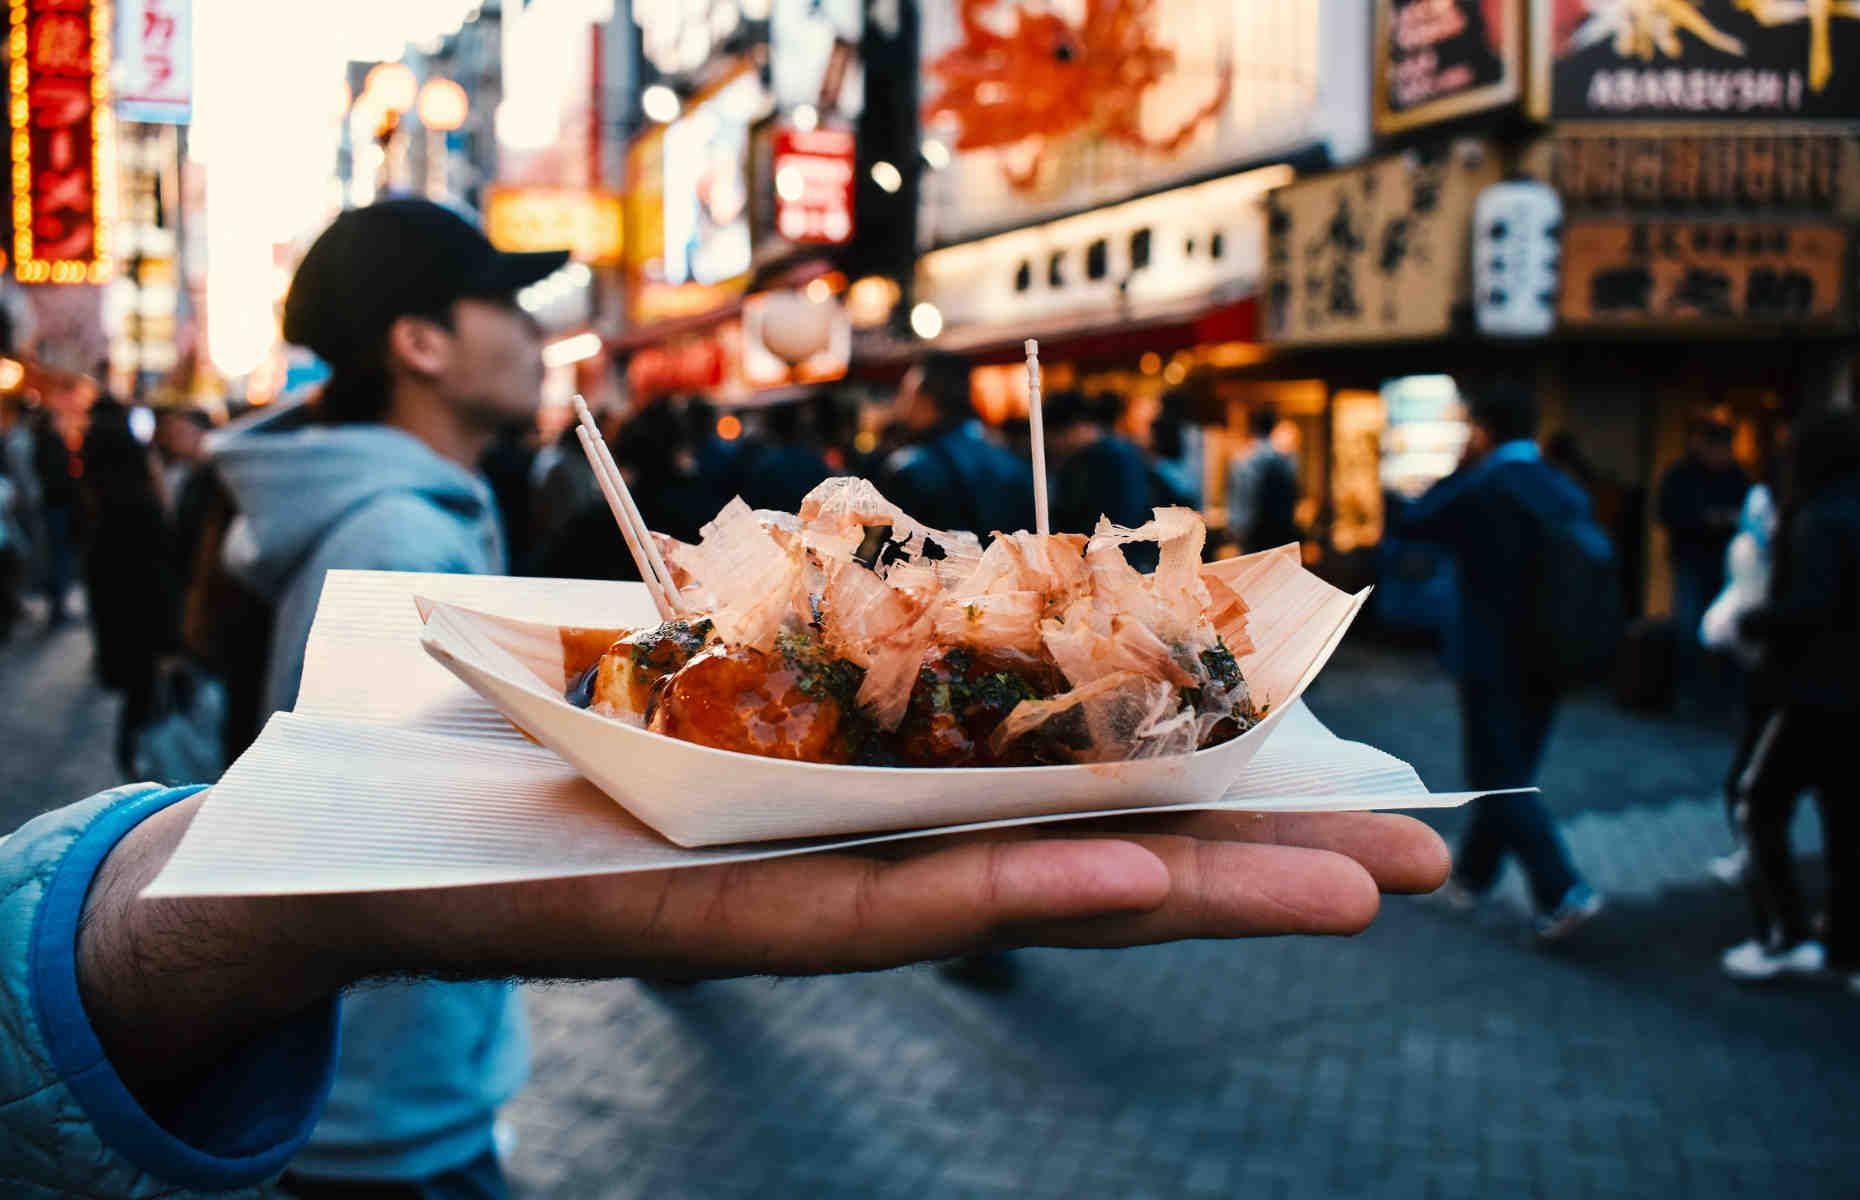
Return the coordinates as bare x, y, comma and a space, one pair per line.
415, 312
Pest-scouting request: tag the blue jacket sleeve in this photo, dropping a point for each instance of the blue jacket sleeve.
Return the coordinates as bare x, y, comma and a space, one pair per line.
1443, 513
68, 1124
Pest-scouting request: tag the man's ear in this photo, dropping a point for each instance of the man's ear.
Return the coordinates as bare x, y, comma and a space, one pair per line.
420, 345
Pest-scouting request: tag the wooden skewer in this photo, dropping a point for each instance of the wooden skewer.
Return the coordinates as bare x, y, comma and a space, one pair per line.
1036, 425
653, 587
652, 569
650, 543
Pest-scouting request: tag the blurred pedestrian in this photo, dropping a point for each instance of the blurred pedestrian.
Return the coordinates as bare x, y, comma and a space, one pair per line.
506, 466
56, 469
949, 475
1748, 563
186, 476
1809, 629
1262, 488
12, 554
1175, 454
653, 451
778, 465
1101, 473
431, 356
562, 485
1700, 499
131, 576
1492, 514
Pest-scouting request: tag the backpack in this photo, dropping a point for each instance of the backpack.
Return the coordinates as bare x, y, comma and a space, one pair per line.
1576, 613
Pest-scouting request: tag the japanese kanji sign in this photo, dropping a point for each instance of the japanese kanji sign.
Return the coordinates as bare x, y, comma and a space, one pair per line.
1377, 252
58, 53
1666, 272
154, 61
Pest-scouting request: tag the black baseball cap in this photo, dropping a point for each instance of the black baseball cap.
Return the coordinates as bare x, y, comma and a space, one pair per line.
393, 259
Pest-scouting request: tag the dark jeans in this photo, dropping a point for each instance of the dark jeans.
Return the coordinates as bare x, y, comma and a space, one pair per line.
60, 557
1799, 750
480, 1179
1503, 730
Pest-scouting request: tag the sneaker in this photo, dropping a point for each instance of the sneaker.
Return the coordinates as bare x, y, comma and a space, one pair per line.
1579, 906
1729, 869
1753, 962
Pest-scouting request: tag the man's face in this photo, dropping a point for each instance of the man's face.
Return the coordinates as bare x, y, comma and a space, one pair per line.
494, 370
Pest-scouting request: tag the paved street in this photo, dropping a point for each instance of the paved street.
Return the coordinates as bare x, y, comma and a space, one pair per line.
1439, 1055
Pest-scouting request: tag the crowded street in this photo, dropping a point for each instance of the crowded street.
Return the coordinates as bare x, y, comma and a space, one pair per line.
930, 598
1437, 1055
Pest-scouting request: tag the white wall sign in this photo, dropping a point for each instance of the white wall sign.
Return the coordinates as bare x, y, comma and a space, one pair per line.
154, 76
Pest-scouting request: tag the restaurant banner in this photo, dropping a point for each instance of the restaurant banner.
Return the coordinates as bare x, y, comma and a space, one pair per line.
59, 84
1626, 273
1441, 59
1378, 252
1717, 59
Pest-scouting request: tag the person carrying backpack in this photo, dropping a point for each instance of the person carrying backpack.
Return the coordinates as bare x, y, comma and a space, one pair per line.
1539, 609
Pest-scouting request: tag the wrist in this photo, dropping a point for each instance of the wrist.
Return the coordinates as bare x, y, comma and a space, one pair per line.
169, 986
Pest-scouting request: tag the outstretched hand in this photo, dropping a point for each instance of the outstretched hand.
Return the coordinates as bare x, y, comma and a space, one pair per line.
170, 984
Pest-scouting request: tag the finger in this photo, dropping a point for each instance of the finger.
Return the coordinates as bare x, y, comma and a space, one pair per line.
813, 914
1401, 854
1232, 890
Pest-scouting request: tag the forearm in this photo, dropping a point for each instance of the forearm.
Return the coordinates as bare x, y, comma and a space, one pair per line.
170, 986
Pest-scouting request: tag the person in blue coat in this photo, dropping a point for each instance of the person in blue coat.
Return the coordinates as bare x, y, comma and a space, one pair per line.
1488, 514
431, 359
950, 474
149, 1046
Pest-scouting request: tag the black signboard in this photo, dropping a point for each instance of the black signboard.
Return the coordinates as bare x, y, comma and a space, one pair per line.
1696, 59
1441, 59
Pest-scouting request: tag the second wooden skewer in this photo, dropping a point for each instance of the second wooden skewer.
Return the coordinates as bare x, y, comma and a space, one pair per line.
639, 540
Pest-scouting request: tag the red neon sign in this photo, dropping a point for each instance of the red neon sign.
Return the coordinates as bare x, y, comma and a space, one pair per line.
58, 52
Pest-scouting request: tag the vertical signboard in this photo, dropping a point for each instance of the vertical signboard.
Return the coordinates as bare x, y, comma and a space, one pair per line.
1441, 59
58, 53
154, 61
814, 185
1378, 252
1722, 59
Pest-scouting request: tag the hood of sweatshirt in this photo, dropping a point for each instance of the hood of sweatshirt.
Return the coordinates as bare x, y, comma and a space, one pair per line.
291, 487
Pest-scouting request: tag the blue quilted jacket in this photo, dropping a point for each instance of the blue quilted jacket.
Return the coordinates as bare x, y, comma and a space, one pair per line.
68, 1127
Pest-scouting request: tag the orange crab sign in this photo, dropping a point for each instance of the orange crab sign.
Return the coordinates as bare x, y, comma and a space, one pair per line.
1042, 78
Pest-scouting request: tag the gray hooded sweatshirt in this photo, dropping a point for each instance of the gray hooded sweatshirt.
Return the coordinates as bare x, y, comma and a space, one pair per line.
423, 1066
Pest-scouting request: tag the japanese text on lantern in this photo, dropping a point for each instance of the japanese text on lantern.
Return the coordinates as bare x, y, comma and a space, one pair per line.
58, 70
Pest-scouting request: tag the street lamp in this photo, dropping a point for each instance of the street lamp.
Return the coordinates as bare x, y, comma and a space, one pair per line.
442, 106
388, 93
392, 85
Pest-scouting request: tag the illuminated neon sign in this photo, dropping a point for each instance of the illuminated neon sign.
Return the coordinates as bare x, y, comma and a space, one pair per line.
58, 71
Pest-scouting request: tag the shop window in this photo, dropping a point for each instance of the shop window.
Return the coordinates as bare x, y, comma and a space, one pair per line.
1056, 270
1097, 259
1023, 277
1140, 249
1217, 245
